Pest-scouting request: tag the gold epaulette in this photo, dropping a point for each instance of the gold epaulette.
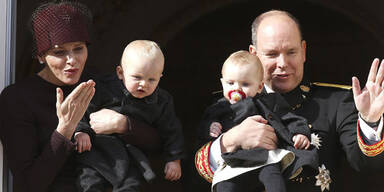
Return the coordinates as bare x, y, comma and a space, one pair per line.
202, 162
370, 150
332, 85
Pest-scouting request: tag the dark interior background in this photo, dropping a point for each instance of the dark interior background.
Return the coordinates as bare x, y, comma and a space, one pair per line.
343, 37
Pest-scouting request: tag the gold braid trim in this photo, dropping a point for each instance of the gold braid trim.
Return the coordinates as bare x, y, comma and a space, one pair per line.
369, 150
202, 162
332, 85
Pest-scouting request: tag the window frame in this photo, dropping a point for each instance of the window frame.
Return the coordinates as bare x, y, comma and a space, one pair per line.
8, 13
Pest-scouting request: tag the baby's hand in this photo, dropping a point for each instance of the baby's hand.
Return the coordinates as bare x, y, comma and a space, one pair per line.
215, 129
83, 142
301, 141
172, 170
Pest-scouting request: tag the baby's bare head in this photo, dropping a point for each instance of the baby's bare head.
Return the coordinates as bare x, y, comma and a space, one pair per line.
146, 52
141, 67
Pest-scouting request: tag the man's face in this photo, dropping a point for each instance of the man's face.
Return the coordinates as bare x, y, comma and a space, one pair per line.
281, 51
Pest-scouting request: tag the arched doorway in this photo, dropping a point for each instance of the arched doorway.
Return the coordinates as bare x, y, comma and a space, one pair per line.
338, 47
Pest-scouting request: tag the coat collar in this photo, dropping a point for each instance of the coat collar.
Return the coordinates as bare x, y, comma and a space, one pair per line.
151, 99
295, 97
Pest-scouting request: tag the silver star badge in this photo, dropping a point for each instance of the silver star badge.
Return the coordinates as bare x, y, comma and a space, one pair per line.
315, 140
323, 179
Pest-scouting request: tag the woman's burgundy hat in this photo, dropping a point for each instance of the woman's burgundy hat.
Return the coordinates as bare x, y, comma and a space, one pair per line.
56, 24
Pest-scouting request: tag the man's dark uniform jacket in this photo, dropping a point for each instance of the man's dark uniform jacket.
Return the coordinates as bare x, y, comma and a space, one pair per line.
278, 114
108, 155
332, 115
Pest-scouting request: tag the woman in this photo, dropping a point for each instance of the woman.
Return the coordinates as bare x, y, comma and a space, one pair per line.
39, 115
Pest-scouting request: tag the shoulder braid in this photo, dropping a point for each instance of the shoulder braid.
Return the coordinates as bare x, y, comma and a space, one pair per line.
319, 84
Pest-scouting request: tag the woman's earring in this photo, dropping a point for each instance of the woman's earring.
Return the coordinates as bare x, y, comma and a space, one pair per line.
41, 62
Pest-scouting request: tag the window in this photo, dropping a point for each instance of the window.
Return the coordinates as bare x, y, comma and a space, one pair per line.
7, 66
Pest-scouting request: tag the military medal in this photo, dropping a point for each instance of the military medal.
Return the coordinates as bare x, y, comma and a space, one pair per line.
323, 179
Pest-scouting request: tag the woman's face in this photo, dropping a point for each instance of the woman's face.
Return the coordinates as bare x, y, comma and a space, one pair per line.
64, 63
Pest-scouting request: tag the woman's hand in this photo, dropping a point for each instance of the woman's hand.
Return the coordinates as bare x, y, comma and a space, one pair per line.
71, 110
107, 121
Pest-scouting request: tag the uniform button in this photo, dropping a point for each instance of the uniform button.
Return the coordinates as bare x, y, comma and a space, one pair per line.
296, 107
310, 126
270, 116
304, 88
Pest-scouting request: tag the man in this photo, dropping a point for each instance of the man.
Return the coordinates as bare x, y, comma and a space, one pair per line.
334, 121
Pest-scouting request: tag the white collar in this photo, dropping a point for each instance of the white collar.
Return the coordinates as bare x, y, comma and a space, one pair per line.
268, 90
